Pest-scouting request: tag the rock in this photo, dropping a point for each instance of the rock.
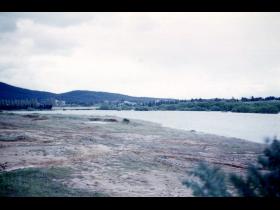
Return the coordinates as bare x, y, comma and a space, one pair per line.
3, 166
125, 120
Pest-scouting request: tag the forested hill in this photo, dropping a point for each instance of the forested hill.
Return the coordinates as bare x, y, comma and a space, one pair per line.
92, 97
12, 97
10, 92
81, 97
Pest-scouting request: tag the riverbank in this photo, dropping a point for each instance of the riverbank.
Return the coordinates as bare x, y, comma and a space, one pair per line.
116, 157
249, 126
240, 106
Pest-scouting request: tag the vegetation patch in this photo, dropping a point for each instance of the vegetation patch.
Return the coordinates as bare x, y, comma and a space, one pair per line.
268, 105
261, 180
125, 120
110, 120
97, 119
35, 117
33, 182
6, 138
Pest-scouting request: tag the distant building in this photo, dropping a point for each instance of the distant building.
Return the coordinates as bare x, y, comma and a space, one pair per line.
129, 103
59, 103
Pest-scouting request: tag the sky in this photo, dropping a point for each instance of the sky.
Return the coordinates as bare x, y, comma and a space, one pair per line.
169, 55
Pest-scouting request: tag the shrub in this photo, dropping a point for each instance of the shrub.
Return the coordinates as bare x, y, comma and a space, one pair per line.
262, 180
125, 120
211, 182
266, 183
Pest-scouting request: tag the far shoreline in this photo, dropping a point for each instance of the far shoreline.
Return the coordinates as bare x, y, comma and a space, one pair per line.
132, 110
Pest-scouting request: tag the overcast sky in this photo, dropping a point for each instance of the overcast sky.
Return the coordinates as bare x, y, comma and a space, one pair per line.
178, 55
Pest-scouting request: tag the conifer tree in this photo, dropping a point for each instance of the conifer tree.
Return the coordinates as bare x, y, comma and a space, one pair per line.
261, 180
265, 182
210, 183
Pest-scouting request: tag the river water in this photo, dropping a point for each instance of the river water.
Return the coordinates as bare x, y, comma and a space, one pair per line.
248, 126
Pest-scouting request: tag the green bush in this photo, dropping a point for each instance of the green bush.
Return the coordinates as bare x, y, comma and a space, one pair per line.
211, 182
125, 120
258, 183
38, 182
261, 180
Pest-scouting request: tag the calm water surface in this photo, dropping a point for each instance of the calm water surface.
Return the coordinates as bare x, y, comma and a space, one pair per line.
249, 126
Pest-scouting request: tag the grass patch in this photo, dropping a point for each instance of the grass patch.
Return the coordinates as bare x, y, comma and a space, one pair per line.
103, 120
39, 182
12, 138
35, 117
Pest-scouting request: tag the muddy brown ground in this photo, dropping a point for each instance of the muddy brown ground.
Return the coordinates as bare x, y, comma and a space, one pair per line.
114, 157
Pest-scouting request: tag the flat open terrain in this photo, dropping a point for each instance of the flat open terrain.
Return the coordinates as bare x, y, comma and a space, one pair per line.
113, 157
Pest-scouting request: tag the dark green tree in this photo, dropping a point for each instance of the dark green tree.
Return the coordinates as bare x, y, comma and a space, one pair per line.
210, 183
264, 182
261, 180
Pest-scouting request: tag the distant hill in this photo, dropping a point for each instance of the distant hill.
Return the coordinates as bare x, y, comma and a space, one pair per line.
83, 96
14, 98
11, 92
73, 97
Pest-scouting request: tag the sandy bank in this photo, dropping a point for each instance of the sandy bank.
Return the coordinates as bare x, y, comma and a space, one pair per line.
120, 159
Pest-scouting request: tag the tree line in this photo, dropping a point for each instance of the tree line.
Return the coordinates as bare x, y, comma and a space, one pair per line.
19, 104
253, 105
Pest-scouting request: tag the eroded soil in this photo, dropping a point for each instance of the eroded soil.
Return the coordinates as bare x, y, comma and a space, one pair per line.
114, 157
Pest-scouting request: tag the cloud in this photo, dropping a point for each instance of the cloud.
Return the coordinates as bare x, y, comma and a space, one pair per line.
180, 55
8, 20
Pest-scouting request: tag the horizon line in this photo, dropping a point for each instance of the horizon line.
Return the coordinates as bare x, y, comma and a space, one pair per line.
167, 98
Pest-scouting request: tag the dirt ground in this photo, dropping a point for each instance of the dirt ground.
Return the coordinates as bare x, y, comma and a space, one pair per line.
117, 157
